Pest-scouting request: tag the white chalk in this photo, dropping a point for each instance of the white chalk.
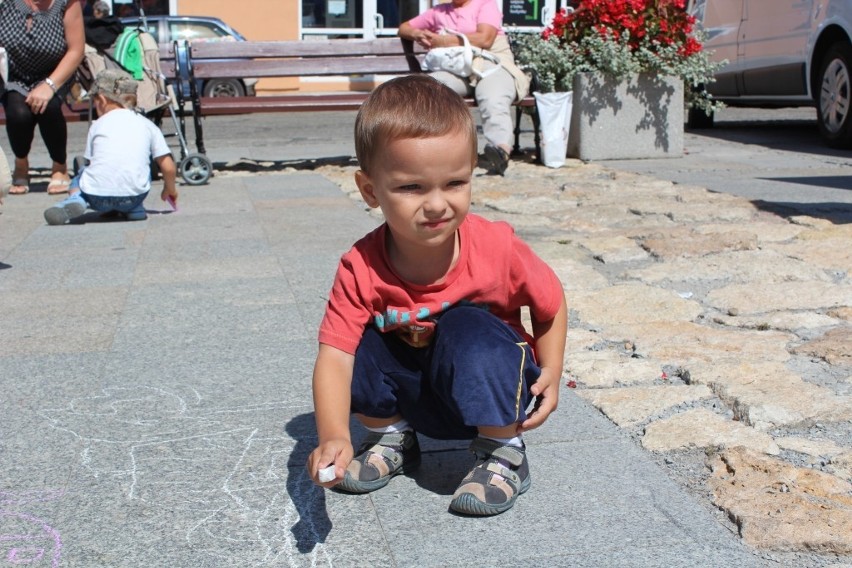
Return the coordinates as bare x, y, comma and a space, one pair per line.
327, 474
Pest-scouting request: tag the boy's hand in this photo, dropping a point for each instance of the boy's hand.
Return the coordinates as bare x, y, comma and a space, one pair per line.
546, 392
336, 453
169, 192
168, 170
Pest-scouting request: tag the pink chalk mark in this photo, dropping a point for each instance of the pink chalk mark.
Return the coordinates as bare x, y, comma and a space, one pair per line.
173, 202
48, 533
26, 555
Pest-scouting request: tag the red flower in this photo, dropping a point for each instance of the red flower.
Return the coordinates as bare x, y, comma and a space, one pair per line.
646, 21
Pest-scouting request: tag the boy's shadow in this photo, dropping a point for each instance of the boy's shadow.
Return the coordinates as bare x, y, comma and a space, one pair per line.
110, 217
444, 463
313, 525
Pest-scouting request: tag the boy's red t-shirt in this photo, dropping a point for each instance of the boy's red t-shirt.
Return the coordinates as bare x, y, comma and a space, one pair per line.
495, 270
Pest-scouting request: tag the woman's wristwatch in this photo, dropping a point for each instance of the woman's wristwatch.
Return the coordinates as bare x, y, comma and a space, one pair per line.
52, 85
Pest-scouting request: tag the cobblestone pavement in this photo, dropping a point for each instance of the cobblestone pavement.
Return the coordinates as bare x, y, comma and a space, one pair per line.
715, 333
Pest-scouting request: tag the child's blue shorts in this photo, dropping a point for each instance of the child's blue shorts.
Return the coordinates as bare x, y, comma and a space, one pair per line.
476, 372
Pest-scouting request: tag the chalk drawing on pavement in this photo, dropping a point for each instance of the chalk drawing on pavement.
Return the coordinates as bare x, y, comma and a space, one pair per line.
24, 539
223, 477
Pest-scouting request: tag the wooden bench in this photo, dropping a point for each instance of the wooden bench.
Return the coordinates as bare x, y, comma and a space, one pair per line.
186, 64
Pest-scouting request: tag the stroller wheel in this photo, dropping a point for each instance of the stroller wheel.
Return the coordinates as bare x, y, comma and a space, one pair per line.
195, 169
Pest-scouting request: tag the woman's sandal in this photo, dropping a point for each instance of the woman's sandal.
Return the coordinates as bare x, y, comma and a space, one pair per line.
20, 186
58, 186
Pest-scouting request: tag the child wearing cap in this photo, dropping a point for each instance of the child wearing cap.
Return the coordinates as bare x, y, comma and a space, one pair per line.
119, 148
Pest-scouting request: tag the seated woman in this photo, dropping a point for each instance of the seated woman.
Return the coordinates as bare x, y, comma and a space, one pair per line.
482, 23
44, 41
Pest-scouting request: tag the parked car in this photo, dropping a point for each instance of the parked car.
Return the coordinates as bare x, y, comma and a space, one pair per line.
167, 29
782, 53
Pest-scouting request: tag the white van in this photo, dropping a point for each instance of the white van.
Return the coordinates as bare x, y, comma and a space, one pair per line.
782, 53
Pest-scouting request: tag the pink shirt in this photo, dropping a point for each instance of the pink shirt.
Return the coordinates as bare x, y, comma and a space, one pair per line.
463, 20
495, 270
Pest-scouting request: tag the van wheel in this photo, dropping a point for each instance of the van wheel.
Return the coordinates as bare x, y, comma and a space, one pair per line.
834, 100
224, 88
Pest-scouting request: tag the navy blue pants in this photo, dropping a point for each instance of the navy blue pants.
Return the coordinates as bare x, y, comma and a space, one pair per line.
476, 372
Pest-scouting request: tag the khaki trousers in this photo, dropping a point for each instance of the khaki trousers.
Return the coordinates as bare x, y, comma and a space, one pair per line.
494, 96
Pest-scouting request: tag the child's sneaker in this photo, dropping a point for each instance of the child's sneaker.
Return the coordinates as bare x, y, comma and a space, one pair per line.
379, 458
65, 210
136, 214
501, 474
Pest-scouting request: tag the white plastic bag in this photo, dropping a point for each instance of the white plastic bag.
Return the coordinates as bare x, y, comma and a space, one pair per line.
554, 113
458, 60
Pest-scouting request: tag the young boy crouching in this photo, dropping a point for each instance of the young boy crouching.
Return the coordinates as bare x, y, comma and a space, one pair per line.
422, 331
120, 145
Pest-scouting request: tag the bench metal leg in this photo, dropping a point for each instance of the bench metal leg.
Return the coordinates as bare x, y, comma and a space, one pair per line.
536, 133
196, 114
516, 149
186, 84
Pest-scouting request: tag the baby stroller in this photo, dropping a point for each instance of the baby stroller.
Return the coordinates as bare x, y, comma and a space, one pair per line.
154, 98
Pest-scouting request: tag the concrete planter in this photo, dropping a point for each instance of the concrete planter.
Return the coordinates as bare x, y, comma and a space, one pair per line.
621, 119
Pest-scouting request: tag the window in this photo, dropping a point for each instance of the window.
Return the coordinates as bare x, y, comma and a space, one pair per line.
193, 31
349, 13
127, 8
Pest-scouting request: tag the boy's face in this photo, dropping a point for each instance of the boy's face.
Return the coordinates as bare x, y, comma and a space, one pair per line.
422, 186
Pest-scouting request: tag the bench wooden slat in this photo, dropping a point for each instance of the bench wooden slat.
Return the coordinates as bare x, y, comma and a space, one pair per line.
298, 102
281, 103
277, 49
314, 67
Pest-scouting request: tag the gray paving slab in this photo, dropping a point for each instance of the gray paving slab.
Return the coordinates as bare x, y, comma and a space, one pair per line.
155, 410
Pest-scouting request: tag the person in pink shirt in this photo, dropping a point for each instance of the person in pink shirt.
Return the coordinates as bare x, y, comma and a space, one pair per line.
482, 23
422, 331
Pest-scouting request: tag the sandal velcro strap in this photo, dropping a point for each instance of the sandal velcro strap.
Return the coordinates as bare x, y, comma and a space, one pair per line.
509, 454
387, 453
514, 456
505, 473
389, 439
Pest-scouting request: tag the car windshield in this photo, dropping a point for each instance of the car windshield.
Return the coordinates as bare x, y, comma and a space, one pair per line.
195, 31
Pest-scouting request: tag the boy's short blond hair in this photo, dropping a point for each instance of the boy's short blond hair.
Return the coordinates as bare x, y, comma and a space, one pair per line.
412, 106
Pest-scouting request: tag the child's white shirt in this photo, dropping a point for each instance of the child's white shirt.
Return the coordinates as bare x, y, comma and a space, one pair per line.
119, 147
